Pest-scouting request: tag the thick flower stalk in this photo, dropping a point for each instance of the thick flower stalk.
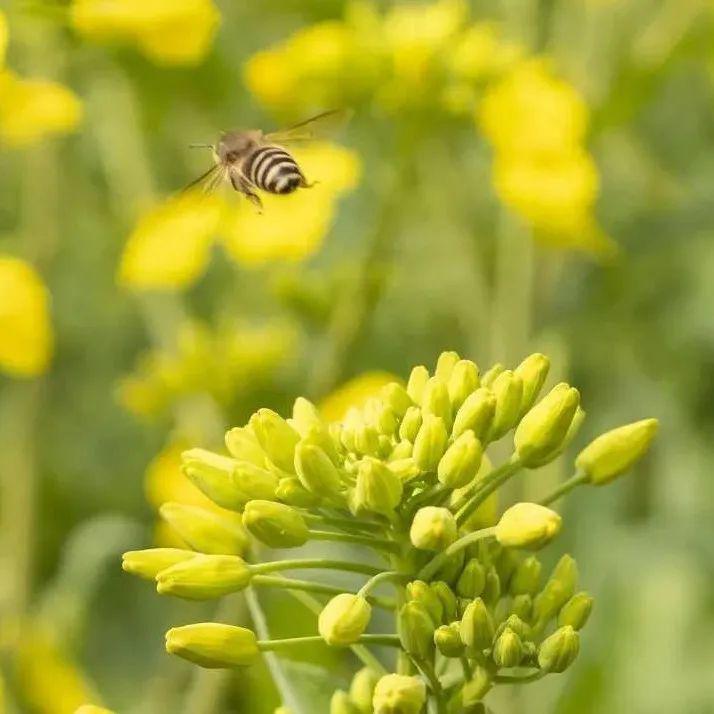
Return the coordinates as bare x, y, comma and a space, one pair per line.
405, 480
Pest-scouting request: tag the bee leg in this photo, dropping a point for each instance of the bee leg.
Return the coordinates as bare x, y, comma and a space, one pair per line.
244, 187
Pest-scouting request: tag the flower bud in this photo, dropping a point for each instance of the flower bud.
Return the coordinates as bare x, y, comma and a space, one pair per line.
276, 437
616, 451
476, 626
204, 577
508, 390
402, 450
475, 689
448, 640
435, 400
492, 589
315, 470
397, 398
464, 380
344, 619
418, 378
148, 563
409, 428
251, 481
451, 568
446, 598
416, 630
385, 420
572, 432
543, 429
292, 492
213, 645
522, 606
461, 462
433, 528
508, 649
213, 475
420, 591
362, 689
340, 703
275, 524
557, 652
445, 365
377, 489
399, 694
566, 572
548, 602
527, 525
206, 531
533, 372
490, 377
576, 611
476, 414
517, 625
404, 469
430, 443
305, 416
243, 445
526, 579
472, 580
366, 439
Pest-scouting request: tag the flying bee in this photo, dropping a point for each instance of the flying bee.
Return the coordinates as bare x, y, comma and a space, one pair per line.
250, 159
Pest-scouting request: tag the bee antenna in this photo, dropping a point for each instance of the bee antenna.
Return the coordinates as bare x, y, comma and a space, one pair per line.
200, 146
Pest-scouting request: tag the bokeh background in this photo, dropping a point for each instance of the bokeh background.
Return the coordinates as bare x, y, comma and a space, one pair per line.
519, 175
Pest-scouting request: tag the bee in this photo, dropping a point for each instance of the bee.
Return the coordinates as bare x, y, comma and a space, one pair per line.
250, 159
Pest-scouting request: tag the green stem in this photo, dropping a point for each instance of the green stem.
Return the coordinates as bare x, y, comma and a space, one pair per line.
379, 543
514, 679
274, 645
566, 487
314, 564
428, 669
466, 666
492, 482
427, 496
373, 582
344, 523
428, 571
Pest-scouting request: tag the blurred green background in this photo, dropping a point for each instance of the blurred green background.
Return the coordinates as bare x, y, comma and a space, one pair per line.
519, 175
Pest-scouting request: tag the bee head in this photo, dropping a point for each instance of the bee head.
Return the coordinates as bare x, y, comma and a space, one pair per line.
234, 144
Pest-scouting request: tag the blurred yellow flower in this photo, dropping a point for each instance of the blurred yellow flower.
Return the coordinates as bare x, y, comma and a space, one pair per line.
293, 227
166, 31
480, 53
170, 246
31, 109
25, 329
354, 393
3, 40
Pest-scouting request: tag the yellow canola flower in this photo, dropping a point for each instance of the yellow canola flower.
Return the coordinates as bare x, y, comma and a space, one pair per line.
26, 338
480, 53
32, 109
170, 246
354, 393
166, 31
293, 227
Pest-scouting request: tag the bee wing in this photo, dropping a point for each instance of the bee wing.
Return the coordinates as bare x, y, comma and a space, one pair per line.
316, 127
210, 180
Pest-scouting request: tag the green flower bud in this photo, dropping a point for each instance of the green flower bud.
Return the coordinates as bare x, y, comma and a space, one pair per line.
522, 606
417, 381
149, 563
476, 414
243, 445
275, 524
204, 577
251, 481
492, 588
213, 645
557, 652
506, 563
452, 568
206, 531
404, 469
533, 372
416, 630
446, 598
276, 437
616, 451
435, 400
316, 471
292, 492
475, 689
430, 443
411, 423
548, 602
420, 591
464, 380
367, 440
526, 579
448, 640
576, 611
362, 689
433, 528
305, 416
472, 580
490, 377
344, 619
461, 462
377, 489
508, 390
517, 625
399, 694
385, 420
477, 626
213, 475
396, 396
402, 450
319, 435
341, 703
543, 429
445, 365
566, 572
527, 525
508, 649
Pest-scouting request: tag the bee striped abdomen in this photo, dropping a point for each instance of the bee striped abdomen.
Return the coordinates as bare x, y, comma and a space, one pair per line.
273, 169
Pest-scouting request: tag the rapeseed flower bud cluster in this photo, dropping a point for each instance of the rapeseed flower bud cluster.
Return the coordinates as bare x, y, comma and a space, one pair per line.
403, 476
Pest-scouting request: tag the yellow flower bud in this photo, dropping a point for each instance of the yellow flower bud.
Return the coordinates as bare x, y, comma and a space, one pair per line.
435, 400
403, 450
543, 429
204, 577
433, 528
533, 372
572, 432
206, 531
148, 563
315, 470
366, 439
527, 525
461, 462
476, 626
276, 437
417, 381
405, 469
464, 380
430, 443
616, 451
446, 598
508, 390
445, 365
566, 572
416, 630
576, 611
448, 640
527, 577
340, 703
492, 588
305, 416
409, 428
399, 694
344, 619
378, 489
213, 645
292, 492
421, 592
490, 377
522, 606
549, 601
557, 652
476, 413
362, 689
472, 580
243, 445
397, 398
275, 524
508, 649
517, 625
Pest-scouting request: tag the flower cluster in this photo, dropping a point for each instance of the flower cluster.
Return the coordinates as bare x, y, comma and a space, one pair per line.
401, 477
